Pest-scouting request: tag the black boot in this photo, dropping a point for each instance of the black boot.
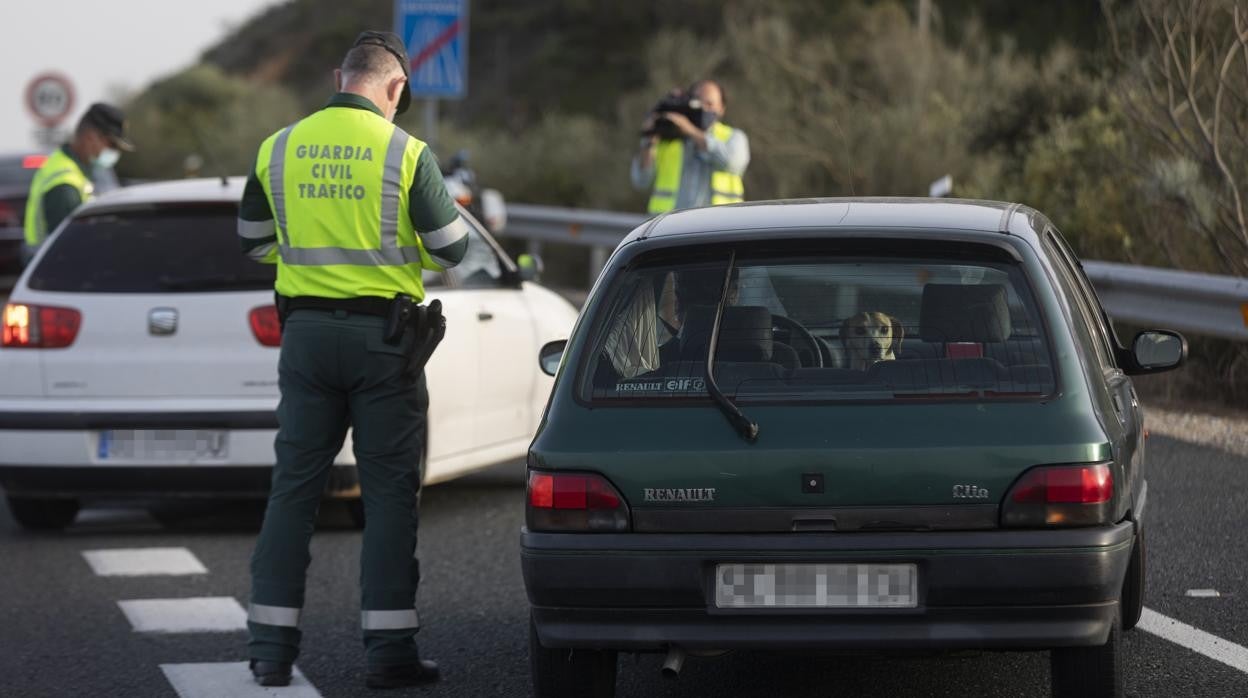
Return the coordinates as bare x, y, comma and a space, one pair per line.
269, 673
421, 671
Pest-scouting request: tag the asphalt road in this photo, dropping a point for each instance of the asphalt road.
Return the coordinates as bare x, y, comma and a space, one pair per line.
63, 634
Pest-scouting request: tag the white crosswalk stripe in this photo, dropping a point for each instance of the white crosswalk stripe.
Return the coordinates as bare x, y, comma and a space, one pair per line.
233, 679
138, 562
202, 614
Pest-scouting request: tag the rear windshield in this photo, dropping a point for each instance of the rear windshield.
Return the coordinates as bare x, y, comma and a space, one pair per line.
822, 327
169, 249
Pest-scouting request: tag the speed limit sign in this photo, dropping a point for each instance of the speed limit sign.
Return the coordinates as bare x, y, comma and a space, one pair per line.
50, 97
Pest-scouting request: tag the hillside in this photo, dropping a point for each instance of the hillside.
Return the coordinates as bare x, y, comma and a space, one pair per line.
1053, 104
577, 56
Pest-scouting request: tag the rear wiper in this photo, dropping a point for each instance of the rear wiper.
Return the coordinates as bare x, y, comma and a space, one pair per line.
176, 283
747, 427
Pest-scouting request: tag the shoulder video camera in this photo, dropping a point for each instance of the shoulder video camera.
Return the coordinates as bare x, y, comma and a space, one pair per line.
689, 106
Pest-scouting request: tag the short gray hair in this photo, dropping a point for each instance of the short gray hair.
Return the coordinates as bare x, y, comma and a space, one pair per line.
370, 64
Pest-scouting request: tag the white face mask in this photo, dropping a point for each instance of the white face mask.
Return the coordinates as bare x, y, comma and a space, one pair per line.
108, 157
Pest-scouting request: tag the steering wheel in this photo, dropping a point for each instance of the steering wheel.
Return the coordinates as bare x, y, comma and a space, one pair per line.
813, 358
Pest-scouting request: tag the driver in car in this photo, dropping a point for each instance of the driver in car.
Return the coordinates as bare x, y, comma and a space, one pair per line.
691, 288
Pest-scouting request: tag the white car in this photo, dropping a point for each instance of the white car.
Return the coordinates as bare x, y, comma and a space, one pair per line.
139, 359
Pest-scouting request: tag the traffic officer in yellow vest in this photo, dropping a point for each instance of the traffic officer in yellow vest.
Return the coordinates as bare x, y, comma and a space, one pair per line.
702, 168
351, 209
64, 180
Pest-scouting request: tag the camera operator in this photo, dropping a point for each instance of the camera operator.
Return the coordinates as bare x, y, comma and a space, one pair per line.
688, 155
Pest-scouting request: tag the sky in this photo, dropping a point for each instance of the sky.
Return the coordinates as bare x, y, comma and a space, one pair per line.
102, 46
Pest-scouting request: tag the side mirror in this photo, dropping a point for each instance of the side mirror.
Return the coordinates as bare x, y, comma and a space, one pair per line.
493, 210
1154, 351
531, 267
551, 355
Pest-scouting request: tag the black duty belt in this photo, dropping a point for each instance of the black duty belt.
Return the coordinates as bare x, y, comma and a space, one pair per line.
401, 313
368, 305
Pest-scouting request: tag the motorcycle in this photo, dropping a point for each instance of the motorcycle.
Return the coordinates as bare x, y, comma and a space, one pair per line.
486, 205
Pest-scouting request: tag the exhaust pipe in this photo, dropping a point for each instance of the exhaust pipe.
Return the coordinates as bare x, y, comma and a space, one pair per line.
673, 663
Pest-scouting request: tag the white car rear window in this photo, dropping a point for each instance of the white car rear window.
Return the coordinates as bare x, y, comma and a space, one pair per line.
190, 248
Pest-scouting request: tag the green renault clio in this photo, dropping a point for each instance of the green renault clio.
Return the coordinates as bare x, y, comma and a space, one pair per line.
840, 424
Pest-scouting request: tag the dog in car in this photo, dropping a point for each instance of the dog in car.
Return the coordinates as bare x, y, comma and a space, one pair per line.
870, 336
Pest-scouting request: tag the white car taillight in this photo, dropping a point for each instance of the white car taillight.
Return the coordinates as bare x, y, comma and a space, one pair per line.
39, 326
265, 325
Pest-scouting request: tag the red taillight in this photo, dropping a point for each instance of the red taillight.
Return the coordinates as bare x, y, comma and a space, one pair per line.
541, 490
39, 327
59, 326
34, 162
266, 326
1065, 495
574, 502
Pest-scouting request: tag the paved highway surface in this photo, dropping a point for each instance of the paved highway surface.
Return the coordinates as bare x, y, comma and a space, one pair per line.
63, 632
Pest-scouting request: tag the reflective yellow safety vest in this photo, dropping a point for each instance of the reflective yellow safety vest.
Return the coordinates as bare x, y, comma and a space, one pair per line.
58, 169
726, 187
337, 183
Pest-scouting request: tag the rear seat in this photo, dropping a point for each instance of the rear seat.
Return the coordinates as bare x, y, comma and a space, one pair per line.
978, 317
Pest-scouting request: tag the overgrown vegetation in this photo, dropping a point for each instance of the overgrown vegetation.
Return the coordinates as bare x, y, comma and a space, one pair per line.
203, 121
1125, 122
838, 99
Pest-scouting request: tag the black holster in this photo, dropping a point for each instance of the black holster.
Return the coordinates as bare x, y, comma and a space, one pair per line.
430, 329
427, 321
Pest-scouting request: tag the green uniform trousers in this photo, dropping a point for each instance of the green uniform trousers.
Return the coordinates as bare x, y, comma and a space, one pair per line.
335, 371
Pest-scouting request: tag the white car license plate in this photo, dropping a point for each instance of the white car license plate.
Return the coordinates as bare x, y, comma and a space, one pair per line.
809, 585
168, 445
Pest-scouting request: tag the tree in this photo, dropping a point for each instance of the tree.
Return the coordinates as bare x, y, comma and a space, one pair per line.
1184, 86
203, 115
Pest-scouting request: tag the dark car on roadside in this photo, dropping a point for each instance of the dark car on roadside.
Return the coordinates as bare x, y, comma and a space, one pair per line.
840, 425
16, 172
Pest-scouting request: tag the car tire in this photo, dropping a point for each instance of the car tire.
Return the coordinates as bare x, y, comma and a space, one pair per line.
1132, 603
1089, 672
565, 673
43, 514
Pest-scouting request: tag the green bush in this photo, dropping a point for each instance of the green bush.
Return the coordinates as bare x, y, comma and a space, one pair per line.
203, 113
564, 160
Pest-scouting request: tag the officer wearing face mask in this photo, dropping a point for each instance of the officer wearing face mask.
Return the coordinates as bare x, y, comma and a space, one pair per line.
64, 182
703, 166
351, 209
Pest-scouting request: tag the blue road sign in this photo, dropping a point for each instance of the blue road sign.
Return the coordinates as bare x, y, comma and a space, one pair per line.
436, 35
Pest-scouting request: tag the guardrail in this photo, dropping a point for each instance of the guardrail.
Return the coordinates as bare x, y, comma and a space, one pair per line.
601, 231
1203, 304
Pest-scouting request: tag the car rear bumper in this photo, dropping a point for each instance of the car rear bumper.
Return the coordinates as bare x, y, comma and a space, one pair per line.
61, 454
977, 590
62, 420
108, 482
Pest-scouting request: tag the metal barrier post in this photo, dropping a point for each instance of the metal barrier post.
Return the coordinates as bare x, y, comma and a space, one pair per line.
597, 260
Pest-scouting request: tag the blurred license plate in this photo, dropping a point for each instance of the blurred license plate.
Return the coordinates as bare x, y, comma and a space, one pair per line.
162, 444
840, 585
